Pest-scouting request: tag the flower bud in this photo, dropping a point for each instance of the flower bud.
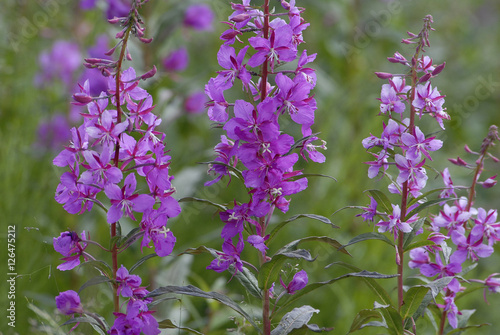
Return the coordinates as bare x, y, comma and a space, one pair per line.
384, 75
438, 69
81, 99
149, 74
240, 17
425, 78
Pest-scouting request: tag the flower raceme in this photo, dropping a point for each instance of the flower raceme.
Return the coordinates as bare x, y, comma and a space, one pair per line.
253, 136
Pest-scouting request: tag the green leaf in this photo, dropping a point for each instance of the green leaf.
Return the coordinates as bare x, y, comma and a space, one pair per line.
418, 244
248, 280
425, 205
368, 236
297, 318
298, 216
461, 329
366, 275
393, 320
87, 319
141, 261
94, 281
131, 237
371, 283
269, 271
325, 239
435, 286
408, 237
205, 201
412, 300
100, 266
196, 292
305, 175
360, 320
382, 200
307, 329
200, 250
168, 324
237, 173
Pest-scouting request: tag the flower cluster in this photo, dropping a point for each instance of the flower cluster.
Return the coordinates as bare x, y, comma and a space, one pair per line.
404, 145
253, 136
472, 233
117, 160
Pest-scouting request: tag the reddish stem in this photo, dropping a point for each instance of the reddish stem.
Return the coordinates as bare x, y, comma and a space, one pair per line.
263, 79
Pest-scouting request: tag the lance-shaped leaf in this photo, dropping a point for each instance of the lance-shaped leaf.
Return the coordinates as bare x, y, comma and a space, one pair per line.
248, 280
435, 286
298, 216
393, 320
382, 200
270, 270
131, 237
325, 239
200, 250
307, 329
196, 292
366, 237
297, 318
370, 282
360, 320
418, 244
237, 173
366, 275
141, 261
168, 324
408, 237
306, 175
205, 201
412, 300
94, 281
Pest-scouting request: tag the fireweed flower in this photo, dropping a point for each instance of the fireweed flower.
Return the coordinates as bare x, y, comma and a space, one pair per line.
72, 247
254, 141
68, 303
199, 17
298, 282
177, 60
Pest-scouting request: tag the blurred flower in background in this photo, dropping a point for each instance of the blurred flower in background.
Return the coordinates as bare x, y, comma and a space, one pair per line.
199, 17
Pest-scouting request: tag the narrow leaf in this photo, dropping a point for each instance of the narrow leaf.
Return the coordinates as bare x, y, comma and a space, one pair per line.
298, 216
366, 275
196, 292
426, 205
270, 270
297, 318
369, 236
219, 206
168, 324
382, 200
412, 300
371, 283
408, 237
305, 175
94, 281
248, 280
325, 239
360, 320
200, 250
418, 244
393, 320
141, 261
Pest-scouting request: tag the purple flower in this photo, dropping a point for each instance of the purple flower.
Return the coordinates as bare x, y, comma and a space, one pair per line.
234, 69
417, 144
294, 98
124, 199
277, 48
177, 60
68, 303
470, 247
60, 62
448, 183
126, 282
155, 230
53, 133
199, 17
298, 282
395, 224
485, 224
439, 268
217, 105
71, 246
195, 103
258, 242
99, 169
230, 255
369, 212
411, 169
428, 99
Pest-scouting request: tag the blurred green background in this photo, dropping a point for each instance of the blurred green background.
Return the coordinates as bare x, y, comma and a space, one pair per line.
353, 38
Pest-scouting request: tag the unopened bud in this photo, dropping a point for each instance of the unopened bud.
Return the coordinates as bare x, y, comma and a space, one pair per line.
425, 78
459, 161
120, 34
384, 75
438, 69
149, 74
145, 40
490, 182
407, 41
114, 20
411, 34
81, 99
240, 17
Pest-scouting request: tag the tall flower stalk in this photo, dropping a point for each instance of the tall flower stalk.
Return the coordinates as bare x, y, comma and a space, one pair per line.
404, 148
116, 146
